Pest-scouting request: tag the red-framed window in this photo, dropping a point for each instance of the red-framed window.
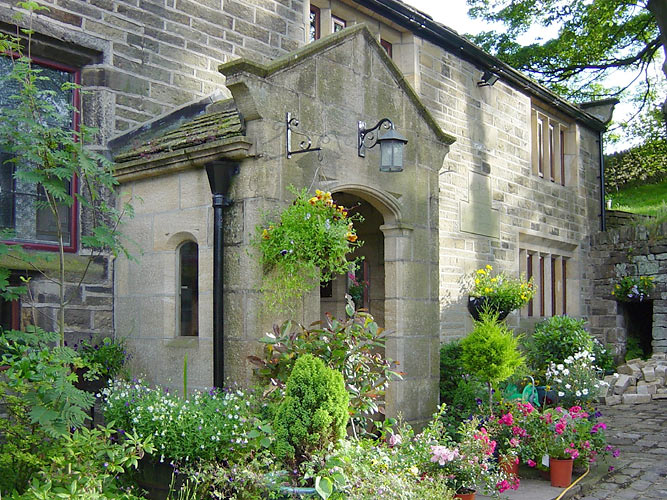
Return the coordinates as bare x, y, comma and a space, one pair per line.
338, 24
34, 226
314, 23
386, 46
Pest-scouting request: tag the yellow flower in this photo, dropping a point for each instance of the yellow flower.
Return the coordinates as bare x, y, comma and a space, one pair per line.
493, 280
613, 293
489, 267
476, 281
313, 200
487, 290
481, 271
265, 234
351, 237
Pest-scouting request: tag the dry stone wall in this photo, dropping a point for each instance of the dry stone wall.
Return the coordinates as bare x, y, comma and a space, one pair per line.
627, 251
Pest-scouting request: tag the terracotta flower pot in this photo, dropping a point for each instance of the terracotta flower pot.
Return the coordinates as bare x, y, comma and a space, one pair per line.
466, 496
560, 472
510, 466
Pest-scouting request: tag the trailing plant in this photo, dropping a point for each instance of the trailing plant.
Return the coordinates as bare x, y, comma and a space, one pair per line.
500, 291
314, 412
555, 339
213, 425
46, 152
490, 352
633, 289
353, 345
309, 243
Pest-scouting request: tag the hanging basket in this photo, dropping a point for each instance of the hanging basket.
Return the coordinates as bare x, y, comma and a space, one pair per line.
477, 304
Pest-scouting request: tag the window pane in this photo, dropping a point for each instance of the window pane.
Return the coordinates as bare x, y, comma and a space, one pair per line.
338, 24
23, 204
189, 289
314, 23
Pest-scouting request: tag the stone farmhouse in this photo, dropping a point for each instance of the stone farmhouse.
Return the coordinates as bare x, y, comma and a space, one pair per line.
497, 170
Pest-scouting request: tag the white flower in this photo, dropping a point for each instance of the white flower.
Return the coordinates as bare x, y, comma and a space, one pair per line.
578, 393
561, 394
566, 372
585, 392
568, 386
560, 366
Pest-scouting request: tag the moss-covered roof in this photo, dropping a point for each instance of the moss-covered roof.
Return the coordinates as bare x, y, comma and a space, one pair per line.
220, 121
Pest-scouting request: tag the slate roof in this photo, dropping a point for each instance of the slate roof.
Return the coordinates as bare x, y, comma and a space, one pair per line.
180, 130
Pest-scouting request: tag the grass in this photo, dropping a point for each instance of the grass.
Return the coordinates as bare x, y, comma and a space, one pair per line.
646, 199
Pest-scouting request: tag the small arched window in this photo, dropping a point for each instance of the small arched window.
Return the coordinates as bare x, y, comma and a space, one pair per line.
188, 255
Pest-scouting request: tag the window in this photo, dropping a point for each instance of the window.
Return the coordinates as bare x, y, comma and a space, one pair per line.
338, 24
550, 147
314, 23
21, 202
386, 46
550, 274
188, 255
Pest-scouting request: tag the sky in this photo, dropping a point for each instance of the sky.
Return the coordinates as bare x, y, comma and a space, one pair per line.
454, 14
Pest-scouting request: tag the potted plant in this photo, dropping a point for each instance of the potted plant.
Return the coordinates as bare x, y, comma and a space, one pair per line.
101, 362
560, 436
633, 289
309, 244
575, 379
498, 292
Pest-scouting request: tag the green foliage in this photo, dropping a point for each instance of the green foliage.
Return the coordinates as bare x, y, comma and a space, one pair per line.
308, 244
630, 288
314, 412
106, 358
634, 349
594, 38
461, 392
501, 292
604, 359
87, 466
40, 375
206, 426
636, 167
353, 346
490, 351
555, 339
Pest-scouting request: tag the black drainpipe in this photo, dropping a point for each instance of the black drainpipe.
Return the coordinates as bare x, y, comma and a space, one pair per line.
603, 208
219, 177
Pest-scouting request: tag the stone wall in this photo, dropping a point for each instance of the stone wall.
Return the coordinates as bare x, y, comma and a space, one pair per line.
141, 58
627, 251
493, 149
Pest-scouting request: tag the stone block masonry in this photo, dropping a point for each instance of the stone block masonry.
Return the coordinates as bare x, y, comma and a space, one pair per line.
649, 384
161, 53
631, 250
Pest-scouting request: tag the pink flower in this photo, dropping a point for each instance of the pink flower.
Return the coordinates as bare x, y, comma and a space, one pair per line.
598, 426
519, 431
525, 408
560, 427
572, 452
394, 440
574, 410
506, 419
531, 463
442, 455
503, 486
514, 442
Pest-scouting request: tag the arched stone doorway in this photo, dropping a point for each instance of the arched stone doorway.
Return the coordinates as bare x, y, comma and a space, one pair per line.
367, 285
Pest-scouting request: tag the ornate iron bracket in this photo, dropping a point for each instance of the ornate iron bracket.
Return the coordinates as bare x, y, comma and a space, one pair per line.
367, 138
305, 146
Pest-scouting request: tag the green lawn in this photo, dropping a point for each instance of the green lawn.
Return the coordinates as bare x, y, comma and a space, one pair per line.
647, 199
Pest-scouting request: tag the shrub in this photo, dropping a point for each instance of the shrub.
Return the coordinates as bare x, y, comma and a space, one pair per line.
314, 412
575, 378
106, 358
490, 352
353, 346
461, 392
555, 339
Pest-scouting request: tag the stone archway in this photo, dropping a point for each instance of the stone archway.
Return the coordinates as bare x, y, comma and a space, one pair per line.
369, 277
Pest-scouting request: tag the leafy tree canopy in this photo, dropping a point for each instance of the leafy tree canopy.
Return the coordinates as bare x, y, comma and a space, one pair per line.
594, 38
